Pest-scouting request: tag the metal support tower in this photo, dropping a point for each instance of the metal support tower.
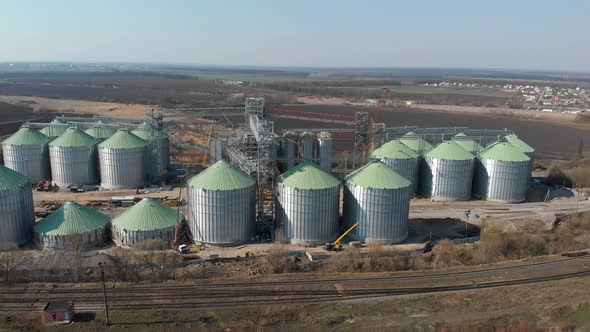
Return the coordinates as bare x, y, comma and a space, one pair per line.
153, 126
254, 106
361, 134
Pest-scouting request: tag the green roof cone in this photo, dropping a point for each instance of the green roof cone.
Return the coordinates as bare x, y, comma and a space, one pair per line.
123, 139
467, 143
519, 144
503, 151
394, 150
27, 136
10, 179
100, 131
70, 219
147, 215
73, 137
377, 175
449, 150
307, 175
415, 142
221, 176
139, 131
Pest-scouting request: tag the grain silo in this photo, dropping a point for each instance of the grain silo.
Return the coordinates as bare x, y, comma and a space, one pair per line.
415, 142
325, 150
27, 153
149, 219
307, 206
101, 132
401, 159
74, 159
502, 174
17, 213
54, 129
467, 143
378, 198
523, 147
447, 174
221, 205
289, 149
72, 226
122, 162
158, 158
308, 144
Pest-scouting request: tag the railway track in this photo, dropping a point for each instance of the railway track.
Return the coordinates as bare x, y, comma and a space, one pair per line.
232, 302
275, 292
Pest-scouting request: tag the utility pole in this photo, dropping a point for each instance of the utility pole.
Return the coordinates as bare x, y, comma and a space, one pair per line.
101, 267
467, 213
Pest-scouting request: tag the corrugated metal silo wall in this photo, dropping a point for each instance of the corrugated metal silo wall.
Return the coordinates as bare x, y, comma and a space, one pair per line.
217, 148
308, 149
308, 216
325, 154
30, 160
74, 165
408, 168
122, 168
224, 217
289, 154
504, 181
382, 213
17, 215
447, 180
124, 237
531, 162
158, 161
62, 242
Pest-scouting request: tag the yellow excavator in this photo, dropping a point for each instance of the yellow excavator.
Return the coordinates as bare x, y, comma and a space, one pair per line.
336, 245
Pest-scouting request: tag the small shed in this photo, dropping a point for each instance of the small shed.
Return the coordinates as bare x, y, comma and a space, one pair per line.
59, 311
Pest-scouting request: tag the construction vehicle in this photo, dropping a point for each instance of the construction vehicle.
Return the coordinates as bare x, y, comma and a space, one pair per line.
336, 245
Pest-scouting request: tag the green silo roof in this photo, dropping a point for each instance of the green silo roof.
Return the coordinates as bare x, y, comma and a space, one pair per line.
123, 139
449, 150
289, 134
221, 176
394, 150
377, 175
10, 179
503, 151
54, 131
325, 135
100, 131
307, 175
139, 131
415, 142
307, 134
70, 219
27, 136
73, 137
519, 144
467, 143
147, 215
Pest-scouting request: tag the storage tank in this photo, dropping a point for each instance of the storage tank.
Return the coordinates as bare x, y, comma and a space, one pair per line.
379, 198
325, 150
74, 159
222, 205
122, 162
401, 159
147, 220
101, 132
307, 206
467, 143
27, 153
447, 174
415, 142
308, 143
523, 147
55, 129
158, 159
289, 148
17, 213
502, 174
72, 226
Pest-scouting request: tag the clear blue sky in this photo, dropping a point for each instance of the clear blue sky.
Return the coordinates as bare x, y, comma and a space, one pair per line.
523, 34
